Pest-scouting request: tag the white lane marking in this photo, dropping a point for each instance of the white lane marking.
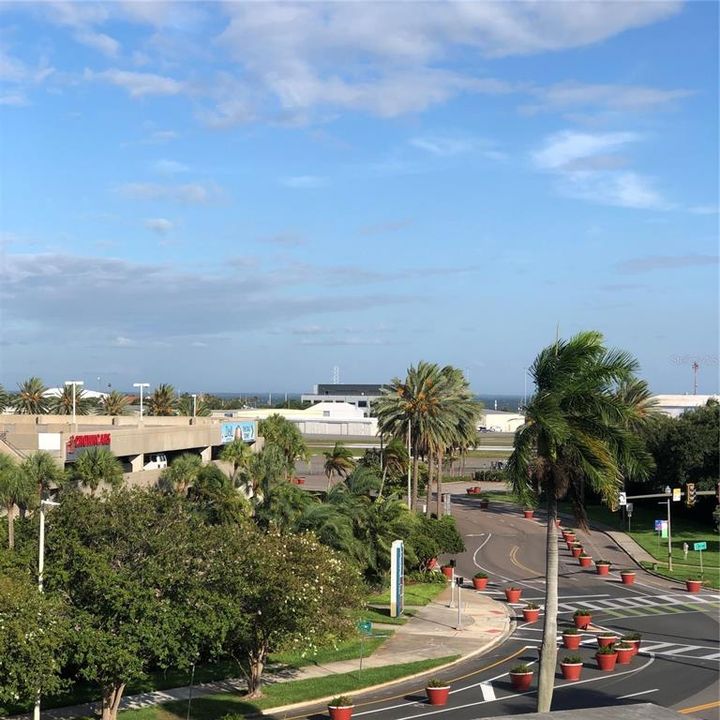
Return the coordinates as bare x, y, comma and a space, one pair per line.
488, 691
681, 649
644, 692
654, 646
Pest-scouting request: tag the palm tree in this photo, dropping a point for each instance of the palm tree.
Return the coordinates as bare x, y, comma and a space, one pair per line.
4, 399
187, 405
239, 453
283, 434
115, 403
181, 474
579, 427
97, 465
63, 403
338, 461
15, 489
394, 461
30, 399
43, 473
163, 401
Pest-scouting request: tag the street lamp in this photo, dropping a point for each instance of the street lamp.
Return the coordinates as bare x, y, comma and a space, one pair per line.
41, 568
74, 384
194, 397
141, 386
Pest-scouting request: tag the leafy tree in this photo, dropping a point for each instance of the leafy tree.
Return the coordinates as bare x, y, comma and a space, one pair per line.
239, 454
115, 403
137, 574
15, 489
30, 398
186, 405
163, 401
338, 461
280, 432
34, 634
63, 403
578, 427
97, 465
216, 497
297, 594
283, 508
43, 472
181, 474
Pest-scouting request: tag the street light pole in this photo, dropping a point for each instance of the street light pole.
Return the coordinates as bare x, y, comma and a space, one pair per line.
74, 384
141, 386
194, 397
409, 489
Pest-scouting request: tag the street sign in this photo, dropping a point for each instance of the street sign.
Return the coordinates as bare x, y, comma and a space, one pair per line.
629, 509
622, 499
677, 494
365, 627
658, 525
700, 546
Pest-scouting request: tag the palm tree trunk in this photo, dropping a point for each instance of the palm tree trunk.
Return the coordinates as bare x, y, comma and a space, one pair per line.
438, 485
548, 651
428, 491
10, 507
416, 461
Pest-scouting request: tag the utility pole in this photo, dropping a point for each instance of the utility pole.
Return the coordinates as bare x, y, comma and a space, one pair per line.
409, 482
695, 367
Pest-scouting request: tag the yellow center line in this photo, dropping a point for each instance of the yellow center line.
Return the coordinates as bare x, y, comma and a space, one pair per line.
698, 708
517, 563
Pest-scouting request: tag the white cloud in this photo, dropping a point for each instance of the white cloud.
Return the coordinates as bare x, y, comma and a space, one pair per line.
169, 167
188, 194
161, 226
14, 100
137, 84
566, 147
99, 41
622, 189
304, 182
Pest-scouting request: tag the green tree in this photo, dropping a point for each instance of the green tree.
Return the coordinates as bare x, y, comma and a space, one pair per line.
239, 454
578, 428
216, 498
43, 472
115, 403
338, 461
163, 401
283, 434
136, 572
181, 474
15, 489
395, 462
97, 465
30, 398
32, 641
63, 403
186, 405
318, 589
4, 399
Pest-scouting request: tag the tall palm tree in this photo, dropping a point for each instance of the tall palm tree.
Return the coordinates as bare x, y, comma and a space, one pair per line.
338, 461
578, 428
30, 399
63, 403
394, 461
187, 405
43, 472
284, 435
97, 465
115, 403
239, 453
15, 489
182, 473
163, 401
4, 399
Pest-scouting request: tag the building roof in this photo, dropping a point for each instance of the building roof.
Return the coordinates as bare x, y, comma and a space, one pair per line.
348, 389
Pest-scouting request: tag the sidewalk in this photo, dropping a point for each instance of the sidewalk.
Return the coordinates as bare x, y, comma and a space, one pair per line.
430, 633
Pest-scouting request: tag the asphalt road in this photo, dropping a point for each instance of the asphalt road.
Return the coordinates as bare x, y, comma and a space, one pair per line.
677, 666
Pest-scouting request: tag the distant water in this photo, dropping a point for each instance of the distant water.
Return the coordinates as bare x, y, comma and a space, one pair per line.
504, 402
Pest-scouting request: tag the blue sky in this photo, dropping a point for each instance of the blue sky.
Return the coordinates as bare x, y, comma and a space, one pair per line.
240, 196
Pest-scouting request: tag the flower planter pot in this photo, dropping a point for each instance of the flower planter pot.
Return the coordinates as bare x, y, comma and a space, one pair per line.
340, 712
437, 695
585, 561
582, 621
521, 681
628, 578
576, 551
572, 642
606, 662
569, 538
607, 640
528, 514
480, 583
602, 569
571, 671
693, 586
625, 655
447, 571
512, 595
635, 644
531, 615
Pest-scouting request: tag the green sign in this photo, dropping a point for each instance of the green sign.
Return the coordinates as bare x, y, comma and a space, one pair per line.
700, 546
365, 627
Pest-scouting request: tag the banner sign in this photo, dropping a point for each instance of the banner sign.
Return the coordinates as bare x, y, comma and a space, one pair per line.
244, 431
397, 578
77, 444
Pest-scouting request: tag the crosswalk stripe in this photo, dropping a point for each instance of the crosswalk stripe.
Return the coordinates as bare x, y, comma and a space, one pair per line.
488, 692
654, 647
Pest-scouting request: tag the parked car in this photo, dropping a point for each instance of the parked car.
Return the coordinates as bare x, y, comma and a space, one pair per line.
156, 461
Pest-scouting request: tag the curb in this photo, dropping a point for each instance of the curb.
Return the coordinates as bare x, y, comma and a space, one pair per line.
495, 642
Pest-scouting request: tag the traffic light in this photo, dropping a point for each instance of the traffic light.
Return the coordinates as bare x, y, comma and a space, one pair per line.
690, 496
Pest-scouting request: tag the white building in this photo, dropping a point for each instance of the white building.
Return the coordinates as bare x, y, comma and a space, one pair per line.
676, 405
500, 421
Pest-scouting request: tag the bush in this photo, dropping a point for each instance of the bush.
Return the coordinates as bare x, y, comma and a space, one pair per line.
632, 636
341, 701
522, 668
607, 650
581, 612
426, 577
571, 631
437, 683
572, 659
430, 537
480, 575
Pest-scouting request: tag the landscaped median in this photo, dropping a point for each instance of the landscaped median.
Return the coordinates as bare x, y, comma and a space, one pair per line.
279, 694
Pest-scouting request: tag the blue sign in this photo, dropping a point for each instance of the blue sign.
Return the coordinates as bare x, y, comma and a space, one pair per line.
244, 431
658, 525
700, 546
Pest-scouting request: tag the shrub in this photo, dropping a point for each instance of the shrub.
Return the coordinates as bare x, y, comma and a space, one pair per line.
603, 562
426, 577
341, 701
531, 606
581, 612
632, 636
436, 683
480, 575
522, 668
572, 659
571, 631
607, 634
607, 650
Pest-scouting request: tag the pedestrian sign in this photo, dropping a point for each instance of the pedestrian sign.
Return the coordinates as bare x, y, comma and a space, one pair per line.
700, 546
676, 494
658, 525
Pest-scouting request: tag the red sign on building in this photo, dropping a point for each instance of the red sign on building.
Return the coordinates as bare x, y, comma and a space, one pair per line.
75, 442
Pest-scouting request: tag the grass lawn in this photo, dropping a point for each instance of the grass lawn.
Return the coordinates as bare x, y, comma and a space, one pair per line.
214, 707
683, 530
415, 594
382, 615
